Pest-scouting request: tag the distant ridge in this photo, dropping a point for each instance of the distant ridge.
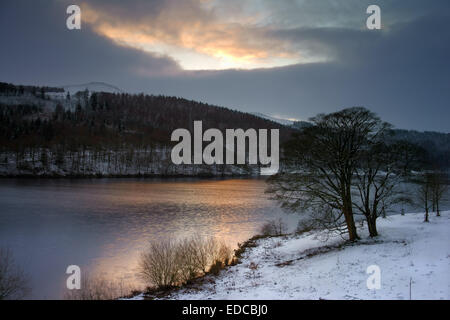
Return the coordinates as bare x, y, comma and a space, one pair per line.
284, 122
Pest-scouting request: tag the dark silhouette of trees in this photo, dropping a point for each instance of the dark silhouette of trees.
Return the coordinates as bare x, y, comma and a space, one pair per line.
424, 194
13, 281
325, 157
122, 130
382, 167
438, 188
343, 165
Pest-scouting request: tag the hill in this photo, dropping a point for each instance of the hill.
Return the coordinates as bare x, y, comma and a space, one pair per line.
95, 129
53, 132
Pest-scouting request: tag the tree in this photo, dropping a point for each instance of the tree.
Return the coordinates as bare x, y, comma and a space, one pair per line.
93, 101
13, 282
382, 167
322, 161
44, 158
424, 193
438, 186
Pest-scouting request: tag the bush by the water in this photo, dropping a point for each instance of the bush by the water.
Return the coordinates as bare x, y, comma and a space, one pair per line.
99, 288
172, 263
13, 281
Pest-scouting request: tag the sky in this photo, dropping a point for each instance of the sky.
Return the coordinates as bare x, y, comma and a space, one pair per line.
286, 58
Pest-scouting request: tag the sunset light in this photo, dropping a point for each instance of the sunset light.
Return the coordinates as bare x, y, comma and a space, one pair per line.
199, 43
232, 156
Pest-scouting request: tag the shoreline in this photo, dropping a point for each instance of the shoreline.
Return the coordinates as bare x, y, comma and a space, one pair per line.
123, 176
301, 266
156, 293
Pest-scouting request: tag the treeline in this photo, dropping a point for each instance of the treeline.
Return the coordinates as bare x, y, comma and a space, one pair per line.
347, 165
435, 144
86, 128
9, 89
106, 119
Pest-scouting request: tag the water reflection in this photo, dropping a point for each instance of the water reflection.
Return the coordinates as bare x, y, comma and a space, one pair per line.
102, 225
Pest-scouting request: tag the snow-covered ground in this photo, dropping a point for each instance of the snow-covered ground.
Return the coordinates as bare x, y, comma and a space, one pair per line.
108, 163
278, 268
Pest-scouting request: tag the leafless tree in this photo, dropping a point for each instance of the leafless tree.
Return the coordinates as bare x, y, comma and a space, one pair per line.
158, 264
275, 227
322, 163
424, 194
99, 288
13, 281
382, 167
172, 263
439, 187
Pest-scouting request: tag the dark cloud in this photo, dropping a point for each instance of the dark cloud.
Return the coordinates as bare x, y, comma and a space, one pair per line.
38, 48
401, 72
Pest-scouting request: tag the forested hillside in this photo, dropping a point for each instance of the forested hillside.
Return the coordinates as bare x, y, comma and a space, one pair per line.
436, 145
46, 131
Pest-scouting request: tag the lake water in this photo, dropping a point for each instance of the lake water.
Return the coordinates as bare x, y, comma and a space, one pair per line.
102, 225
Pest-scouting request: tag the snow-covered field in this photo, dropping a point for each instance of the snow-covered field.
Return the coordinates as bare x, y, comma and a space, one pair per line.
406, 250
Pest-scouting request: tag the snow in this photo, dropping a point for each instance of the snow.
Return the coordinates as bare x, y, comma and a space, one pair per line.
138, 297
406, 250
285, 122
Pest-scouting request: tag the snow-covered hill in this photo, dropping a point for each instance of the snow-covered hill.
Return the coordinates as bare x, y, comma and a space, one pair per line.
304, 267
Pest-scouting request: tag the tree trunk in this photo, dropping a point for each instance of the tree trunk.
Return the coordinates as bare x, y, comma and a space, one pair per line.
372, 225
426, 216
348, 214
438, 214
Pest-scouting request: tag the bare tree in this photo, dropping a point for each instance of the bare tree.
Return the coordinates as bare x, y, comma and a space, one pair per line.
99, 288
274, 228
382, 167
13, 281
158, 264
322, 163
173, 263
439, 187
424, 194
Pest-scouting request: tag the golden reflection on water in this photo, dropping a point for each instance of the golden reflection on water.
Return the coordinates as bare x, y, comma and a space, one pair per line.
230, 210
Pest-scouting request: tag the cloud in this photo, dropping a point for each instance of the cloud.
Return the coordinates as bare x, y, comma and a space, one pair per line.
401, 72
403, 75
38, 48
196, 33
234, 34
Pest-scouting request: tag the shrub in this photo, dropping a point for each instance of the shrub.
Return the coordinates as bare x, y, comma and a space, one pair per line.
274, 228
305, 226
98, 288
224, 254
173, 263
13, 281
216, 267
159, 265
